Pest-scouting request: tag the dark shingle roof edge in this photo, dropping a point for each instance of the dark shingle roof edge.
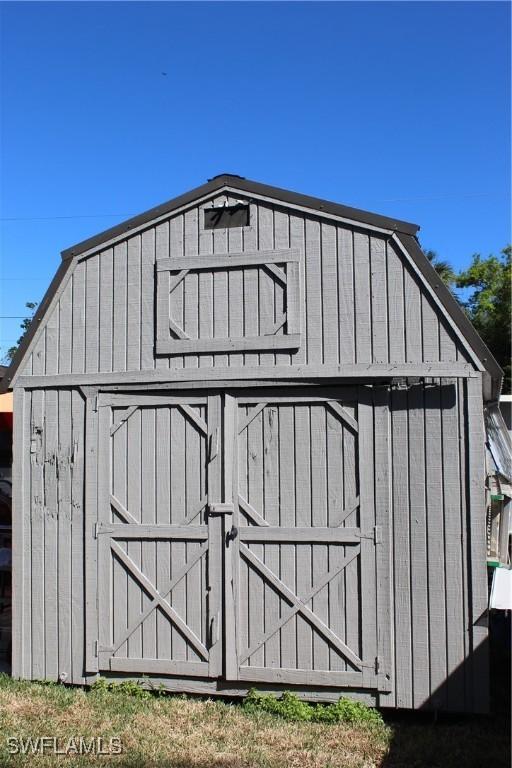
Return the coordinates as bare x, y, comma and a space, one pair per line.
249, 187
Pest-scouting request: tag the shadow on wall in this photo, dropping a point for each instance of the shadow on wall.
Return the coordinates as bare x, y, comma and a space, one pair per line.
433, 395
424, 739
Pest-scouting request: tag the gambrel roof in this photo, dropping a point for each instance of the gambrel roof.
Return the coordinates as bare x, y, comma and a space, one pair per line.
403, 233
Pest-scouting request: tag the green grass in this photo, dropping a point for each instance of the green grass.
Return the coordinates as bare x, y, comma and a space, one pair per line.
163, 731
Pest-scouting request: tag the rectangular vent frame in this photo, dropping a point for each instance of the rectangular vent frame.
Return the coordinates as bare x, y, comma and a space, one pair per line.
172, 339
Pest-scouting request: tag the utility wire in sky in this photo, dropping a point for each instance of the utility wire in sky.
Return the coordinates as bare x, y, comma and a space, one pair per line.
433, 196
54, 218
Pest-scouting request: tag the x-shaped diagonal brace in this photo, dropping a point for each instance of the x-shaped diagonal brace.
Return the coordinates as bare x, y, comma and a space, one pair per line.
298, 605
159, 598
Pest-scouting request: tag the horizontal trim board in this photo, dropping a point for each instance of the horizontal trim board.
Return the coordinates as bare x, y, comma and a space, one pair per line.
138, 400
301, 535
247, 259
229, 344
235, 688
361, 371
298, 676
158, 666
345, 394
242, 385
171, 532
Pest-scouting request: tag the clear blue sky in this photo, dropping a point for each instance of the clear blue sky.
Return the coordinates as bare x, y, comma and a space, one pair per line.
400, 108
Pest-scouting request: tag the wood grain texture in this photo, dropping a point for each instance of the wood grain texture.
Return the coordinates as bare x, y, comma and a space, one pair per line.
477, 549
454, 535
435, 544
296, 464
20, 539
419, 568
402, 565
357, 294
309, 475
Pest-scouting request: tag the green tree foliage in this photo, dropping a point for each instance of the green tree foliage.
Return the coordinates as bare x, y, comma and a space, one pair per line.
489, 304
443, 268
31, 305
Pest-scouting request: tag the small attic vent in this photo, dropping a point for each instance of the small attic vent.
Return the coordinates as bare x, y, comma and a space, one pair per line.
226, 216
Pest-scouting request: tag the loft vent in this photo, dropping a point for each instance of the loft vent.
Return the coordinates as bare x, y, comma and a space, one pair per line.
226, 216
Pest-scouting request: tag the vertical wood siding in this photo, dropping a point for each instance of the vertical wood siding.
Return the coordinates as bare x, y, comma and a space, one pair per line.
298, 468
294, 481
143, 460
361, 302
430, 587
50, 591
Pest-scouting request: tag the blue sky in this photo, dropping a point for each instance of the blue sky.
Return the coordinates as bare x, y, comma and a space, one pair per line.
400, 108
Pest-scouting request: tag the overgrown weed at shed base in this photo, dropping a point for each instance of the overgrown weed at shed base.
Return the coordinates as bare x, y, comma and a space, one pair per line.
290, 707
168, 731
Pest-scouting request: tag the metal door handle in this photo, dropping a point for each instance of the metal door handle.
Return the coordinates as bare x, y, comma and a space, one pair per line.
214, 633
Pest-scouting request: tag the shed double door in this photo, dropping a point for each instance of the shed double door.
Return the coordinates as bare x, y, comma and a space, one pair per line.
244, 536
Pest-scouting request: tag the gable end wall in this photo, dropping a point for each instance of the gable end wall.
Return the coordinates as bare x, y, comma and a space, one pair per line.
361, 302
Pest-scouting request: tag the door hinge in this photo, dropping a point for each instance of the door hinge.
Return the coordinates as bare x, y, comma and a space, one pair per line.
95, 649
377, 665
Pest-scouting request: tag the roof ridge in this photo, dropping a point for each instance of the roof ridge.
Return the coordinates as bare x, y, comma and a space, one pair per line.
216, 183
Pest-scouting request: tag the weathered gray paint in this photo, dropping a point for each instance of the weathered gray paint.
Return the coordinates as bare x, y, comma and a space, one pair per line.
419, 593
362, 301
358, 505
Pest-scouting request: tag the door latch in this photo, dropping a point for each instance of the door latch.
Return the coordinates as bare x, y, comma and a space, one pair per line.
220, 509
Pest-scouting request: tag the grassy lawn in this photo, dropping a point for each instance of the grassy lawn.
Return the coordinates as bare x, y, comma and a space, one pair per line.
184, 732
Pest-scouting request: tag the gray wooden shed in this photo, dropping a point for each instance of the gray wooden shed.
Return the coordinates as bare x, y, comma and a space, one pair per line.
249, 452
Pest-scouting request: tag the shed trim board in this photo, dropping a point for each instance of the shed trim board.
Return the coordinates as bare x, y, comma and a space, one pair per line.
310, 373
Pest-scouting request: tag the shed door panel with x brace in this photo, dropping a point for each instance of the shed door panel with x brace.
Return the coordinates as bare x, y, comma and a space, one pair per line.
159, 573
309, 563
